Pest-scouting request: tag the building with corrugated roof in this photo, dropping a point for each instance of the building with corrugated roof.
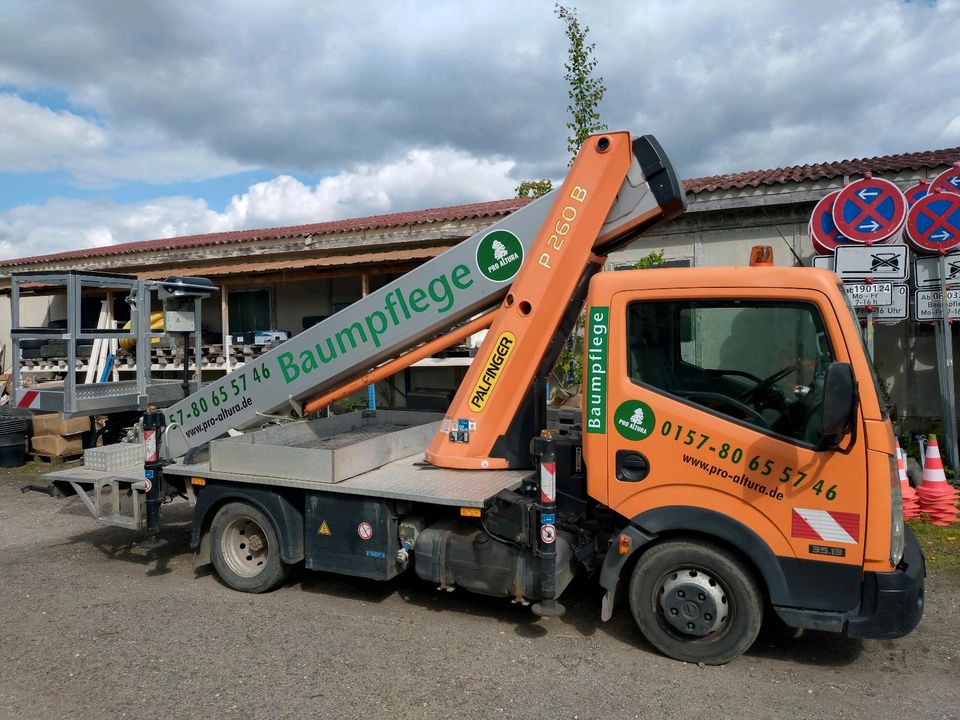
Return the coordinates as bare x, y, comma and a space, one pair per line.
287, 278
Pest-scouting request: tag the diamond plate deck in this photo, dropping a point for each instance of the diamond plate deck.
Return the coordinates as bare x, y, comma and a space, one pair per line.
329, 449
403, 479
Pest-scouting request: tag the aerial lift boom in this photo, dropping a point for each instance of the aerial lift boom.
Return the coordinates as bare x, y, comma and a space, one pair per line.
614, 191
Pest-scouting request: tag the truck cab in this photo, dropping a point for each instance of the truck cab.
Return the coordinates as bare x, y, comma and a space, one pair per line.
732, 418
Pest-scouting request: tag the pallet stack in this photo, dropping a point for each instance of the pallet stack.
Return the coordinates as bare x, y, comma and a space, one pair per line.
55, 439
213, 357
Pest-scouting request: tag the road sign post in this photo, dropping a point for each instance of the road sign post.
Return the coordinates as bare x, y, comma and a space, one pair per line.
940, 307
933, 225
870, 212
869, 295
950, 404
941, 375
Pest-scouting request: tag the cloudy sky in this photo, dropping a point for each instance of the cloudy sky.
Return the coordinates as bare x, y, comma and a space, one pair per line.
126, 121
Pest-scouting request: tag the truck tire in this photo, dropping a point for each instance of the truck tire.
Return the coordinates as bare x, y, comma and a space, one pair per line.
694, 601
245, 549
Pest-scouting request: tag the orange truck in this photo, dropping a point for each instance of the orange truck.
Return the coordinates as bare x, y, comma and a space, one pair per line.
733, 457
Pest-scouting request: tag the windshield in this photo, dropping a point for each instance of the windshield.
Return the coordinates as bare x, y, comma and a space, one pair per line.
882, 395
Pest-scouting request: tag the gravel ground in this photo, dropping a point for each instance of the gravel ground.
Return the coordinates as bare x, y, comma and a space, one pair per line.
95, 627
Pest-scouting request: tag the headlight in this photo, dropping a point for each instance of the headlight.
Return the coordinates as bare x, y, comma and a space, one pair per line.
896, 515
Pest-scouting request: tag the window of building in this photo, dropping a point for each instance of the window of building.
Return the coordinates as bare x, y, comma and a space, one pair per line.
249, 310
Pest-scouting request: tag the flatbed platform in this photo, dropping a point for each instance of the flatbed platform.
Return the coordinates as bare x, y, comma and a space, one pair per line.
405, 479
84, 475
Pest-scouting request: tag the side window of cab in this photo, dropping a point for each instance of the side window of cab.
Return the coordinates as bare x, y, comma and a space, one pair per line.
759, 362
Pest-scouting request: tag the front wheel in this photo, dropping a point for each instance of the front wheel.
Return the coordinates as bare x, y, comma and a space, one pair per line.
245, 549
696, 602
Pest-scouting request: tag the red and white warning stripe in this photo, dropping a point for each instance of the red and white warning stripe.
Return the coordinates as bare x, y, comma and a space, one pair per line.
28, 399
548, 481
827, 525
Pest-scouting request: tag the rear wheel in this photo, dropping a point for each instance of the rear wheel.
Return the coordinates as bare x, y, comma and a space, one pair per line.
696, 602
245, 549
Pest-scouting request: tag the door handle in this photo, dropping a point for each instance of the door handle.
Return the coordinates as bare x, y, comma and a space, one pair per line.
632, 466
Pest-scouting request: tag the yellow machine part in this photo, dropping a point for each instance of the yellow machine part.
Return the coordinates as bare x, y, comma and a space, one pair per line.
156, 325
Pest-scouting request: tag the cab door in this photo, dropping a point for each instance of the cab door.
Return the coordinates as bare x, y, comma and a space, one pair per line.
713, 403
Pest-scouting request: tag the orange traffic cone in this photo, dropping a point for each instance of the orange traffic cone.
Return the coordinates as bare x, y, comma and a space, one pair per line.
910, 507
938, 498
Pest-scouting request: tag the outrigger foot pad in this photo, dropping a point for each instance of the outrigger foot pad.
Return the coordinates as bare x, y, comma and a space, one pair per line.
154, 542
548, 609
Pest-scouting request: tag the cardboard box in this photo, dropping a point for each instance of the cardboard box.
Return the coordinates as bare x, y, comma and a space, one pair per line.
57, 445
53, 424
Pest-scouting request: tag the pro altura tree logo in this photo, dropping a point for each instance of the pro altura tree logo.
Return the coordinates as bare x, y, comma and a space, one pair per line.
499, 255
634, 420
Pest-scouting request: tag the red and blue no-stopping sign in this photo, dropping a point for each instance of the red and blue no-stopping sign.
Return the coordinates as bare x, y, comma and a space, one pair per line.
823, 232
933, 223
948, 180
870, 210
915, 192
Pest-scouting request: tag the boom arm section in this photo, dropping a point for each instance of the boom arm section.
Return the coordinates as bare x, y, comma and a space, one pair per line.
440, 294
614, 191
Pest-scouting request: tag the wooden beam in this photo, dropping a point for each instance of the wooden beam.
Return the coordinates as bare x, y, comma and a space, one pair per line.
98, 345
225, 324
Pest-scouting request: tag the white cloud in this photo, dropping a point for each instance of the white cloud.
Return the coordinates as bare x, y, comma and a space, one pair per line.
951, 133
422, 178
62, 224
34, 138
143, 154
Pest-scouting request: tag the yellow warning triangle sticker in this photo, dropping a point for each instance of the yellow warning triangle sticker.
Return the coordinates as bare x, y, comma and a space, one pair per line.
324, 529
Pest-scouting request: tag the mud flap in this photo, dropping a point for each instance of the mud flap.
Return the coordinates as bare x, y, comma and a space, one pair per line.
614, 563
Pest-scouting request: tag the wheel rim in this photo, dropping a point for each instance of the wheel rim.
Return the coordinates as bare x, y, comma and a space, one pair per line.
244, 546
691, 603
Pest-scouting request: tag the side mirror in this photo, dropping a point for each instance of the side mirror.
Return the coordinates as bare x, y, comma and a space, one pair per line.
839, 403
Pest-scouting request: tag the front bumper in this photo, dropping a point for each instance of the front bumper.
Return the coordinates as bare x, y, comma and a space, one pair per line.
892, 602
